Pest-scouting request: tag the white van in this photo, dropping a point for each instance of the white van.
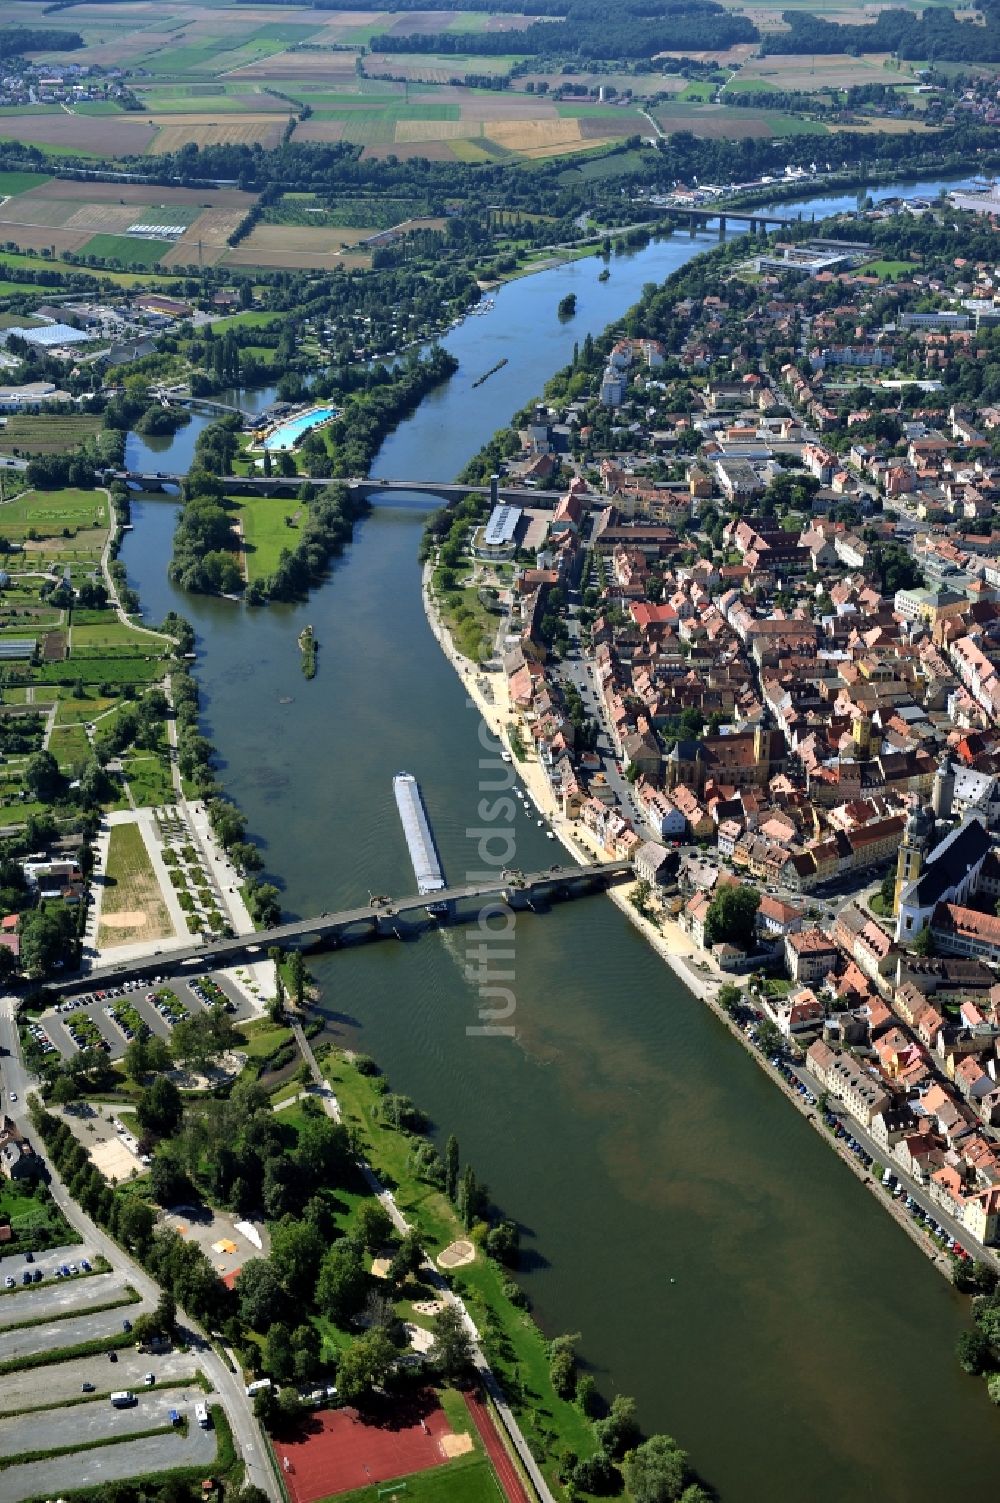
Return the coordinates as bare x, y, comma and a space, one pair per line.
123, 1400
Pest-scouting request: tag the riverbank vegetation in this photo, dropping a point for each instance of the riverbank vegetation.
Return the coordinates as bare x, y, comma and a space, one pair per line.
578, 1439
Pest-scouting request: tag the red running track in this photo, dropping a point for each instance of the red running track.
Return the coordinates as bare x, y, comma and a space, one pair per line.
505, 1469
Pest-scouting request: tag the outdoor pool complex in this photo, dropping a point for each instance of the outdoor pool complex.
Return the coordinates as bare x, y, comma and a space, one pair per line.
287, 435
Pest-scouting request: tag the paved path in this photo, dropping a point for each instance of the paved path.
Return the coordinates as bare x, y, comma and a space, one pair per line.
112, 588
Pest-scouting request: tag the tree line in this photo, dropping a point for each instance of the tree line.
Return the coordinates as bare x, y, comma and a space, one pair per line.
936, 34
635, 29
16, 40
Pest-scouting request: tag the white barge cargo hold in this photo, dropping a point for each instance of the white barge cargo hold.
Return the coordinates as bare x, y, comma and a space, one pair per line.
419, 839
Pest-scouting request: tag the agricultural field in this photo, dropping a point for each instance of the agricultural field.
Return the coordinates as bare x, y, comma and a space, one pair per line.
430, 67
59, 433
716, 121
832, 71
44, 213
278, 245
131, 250
450, 122
205, 128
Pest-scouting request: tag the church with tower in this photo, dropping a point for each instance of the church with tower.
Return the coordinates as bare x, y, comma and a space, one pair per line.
941, 856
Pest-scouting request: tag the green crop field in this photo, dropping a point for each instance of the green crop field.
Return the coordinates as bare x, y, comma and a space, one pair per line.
46, 148
97, 107
130, 250
19, 182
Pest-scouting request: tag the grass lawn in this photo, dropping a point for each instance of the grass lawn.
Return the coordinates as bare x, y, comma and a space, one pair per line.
247, 320
266, 532
262, 1039
467, 1479
48, 512
113, 634
132, 907
37, 1221
888, 270
149, 778
69, 745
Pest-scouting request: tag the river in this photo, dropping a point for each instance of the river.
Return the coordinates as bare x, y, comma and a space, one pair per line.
719, 1261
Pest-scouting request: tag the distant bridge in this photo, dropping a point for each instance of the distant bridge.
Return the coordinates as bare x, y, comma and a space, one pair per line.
754, 219
381, 918
278, 485
203, 404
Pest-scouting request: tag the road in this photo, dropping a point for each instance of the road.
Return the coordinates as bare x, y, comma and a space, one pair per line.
228, 1385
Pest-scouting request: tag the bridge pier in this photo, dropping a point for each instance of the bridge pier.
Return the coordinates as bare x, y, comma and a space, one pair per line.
722, 226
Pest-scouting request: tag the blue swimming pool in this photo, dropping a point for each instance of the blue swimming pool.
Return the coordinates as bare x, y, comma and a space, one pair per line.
287, 435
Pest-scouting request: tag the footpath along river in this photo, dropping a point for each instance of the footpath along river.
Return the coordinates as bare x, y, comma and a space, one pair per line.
720, 1263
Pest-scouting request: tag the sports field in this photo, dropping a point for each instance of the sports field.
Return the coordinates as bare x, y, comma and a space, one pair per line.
339, 1450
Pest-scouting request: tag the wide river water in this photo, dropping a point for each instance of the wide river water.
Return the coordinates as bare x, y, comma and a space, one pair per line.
721, 1264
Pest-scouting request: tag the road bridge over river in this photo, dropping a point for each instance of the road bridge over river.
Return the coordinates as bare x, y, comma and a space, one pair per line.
380, 918
284, 485
756, 220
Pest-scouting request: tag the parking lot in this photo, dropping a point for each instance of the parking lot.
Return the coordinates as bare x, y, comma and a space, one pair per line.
82, 1424
109, 1463
107, 1018
64, 1380
52, 1301
71, 1331
208, 1228
44, 1263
